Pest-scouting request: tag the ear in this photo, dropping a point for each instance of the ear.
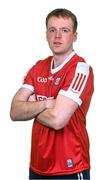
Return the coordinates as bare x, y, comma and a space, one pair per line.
75, 36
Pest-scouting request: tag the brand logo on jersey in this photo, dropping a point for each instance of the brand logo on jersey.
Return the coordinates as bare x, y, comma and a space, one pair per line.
57, 81
69, 162
42, 80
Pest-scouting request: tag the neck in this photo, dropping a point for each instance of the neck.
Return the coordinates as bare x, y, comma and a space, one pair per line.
59, 58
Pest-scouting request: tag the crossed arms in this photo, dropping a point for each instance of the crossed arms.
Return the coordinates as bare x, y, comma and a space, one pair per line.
50, 112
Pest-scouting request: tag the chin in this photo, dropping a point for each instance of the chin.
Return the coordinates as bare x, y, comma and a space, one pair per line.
58, 53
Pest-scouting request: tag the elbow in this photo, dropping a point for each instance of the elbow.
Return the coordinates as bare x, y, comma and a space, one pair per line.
56, 121
13, 112
13, 115
58, 124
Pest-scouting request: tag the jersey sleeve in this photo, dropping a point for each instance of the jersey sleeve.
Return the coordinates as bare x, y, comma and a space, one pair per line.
79, 81
28, 81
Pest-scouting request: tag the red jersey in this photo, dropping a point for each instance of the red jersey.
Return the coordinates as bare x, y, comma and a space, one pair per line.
64, 151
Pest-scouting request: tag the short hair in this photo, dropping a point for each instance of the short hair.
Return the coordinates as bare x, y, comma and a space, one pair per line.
65, 13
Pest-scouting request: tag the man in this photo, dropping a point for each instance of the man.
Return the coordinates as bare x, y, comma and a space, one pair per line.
57, 93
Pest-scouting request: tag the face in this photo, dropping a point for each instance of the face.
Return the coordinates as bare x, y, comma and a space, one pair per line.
60, 35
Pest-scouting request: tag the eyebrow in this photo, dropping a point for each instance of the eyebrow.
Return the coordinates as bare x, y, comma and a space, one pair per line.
59, 28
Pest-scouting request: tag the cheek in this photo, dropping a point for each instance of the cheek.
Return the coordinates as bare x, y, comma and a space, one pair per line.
70, 39
49, 38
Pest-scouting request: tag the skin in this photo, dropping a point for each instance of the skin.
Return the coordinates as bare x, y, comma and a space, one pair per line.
50, 112
60, 42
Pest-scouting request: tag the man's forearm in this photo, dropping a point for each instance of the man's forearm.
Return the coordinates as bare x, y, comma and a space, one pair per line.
46, 118
58, 116
25, 110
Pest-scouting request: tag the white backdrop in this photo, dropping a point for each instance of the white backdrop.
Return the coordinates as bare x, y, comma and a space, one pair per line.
22, 43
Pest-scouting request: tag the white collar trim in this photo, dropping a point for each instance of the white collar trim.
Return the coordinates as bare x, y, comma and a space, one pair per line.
61, 65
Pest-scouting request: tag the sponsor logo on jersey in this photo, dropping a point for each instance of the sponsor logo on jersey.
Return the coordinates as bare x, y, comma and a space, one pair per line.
42, 98
57, 81
42, 79
69, 162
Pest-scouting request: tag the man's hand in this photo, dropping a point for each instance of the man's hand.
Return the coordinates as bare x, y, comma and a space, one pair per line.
50, 102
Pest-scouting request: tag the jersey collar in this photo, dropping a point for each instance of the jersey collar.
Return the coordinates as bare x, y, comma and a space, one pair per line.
61, 65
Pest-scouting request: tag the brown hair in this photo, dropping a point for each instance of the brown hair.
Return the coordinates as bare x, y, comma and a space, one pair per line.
63, 13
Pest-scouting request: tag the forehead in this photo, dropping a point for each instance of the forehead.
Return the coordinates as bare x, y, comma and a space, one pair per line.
60, 22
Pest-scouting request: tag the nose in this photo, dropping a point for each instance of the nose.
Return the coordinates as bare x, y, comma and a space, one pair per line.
58, 33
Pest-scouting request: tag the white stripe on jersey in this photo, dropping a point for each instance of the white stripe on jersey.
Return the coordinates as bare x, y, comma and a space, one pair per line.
78, 83
27, 86
80, 79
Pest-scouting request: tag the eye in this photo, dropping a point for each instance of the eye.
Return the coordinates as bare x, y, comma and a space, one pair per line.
51, 30
65, 30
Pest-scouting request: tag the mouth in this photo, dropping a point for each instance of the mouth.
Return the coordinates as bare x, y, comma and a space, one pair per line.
56, 43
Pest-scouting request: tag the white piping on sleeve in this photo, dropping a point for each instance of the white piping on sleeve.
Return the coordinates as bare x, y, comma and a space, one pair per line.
27, 86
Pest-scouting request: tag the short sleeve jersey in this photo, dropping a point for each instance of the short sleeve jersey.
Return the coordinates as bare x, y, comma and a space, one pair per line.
64, 151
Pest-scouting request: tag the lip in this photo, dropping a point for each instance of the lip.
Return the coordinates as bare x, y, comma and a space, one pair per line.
57, 43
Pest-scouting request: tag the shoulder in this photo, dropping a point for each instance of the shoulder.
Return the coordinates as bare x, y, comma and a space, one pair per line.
41, 64
78, 67
44, 61
81, 64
